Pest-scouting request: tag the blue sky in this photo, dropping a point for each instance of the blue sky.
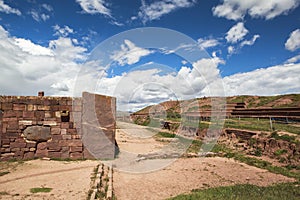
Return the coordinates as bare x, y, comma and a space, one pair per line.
249, 47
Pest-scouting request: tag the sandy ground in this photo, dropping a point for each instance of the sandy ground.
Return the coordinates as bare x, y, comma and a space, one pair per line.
134, 178
69, 180
175, 176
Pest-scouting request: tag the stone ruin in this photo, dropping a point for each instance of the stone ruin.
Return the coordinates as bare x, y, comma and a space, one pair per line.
57, 127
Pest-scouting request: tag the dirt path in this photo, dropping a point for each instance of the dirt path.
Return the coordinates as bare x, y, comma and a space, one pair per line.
164, 178
69, 180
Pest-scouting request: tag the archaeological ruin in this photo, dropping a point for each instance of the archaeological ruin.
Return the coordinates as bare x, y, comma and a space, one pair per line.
57, 127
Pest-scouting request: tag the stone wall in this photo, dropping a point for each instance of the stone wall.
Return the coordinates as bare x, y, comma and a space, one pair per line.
38, 126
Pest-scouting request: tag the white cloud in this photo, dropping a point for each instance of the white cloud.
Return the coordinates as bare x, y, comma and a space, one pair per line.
39, 16
47, 7
129, 53
293, 42
27, 67
279, 79
293, 59
94, 7
236, 9
230, 50
31, 48
236, 33
62, 31
207, 43
250, 42
159, 8
7, 9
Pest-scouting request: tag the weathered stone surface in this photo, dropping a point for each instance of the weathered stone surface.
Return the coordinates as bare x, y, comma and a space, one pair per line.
75, 149
55, 131
76, 155
29, 155
37, 133
18, 145
54, 154
53, 146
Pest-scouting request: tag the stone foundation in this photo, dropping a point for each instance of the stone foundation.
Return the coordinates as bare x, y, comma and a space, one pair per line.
55, 127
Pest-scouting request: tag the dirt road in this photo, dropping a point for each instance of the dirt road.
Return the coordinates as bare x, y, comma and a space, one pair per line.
164, 178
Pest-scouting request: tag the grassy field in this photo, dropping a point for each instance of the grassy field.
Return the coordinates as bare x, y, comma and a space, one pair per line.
260, 125
288, 191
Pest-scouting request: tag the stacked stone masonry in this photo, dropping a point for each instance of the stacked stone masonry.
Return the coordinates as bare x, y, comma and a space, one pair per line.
39, 126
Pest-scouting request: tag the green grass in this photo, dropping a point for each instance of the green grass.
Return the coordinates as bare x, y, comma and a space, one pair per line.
259, 125
282, 191
4, 173
255, 162
40, 189
165, 135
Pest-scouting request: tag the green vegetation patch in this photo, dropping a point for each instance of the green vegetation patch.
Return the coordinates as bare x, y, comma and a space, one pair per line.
40, 189
255, 162
245, 191
4, 173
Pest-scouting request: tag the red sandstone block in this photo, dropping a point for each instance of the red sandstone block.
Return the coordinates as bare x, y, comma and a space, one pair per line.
42, 146
18, 145
65, 125
39, 114
56, 138
12, 135
54, 154
4, 141
63, 102
28, 114
12, 113
13, 125
28, 155
19, 154
63, 143
48, 114
43, 107
19, 107
55, 131
53, 146
7, 106
31, 144
55, 108
15, 149
74, 143
24, 149
76, 155
75, 149
41, 153
72, 131
66, 137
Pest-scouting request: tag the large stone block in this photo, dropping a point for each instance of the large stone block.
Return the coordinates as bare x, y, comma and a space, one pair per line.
75, 149
54, 154
20, 107
18, 145
76, 155
37, 133
28, 155
53, 146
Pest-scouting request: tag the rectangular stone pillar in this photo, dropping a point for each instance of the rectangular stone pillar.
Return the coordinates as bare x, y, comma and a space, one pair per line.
98, 125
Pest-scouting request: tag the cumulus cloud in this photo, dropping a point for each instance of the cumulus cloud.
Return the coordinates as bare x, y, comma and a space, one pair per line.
94, 7
293, 59
236, 9
159, 8
250, 42
279, 79
7, 9
236, 33
293, 42
207, 43
27, 67
129, 53
62, 31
